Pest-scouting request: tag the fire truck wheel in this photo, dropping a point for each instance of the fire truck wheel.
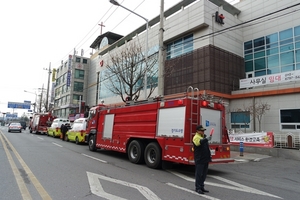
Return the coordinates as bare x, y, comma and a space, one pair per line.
30, 131
136, 152
92, 144
77, 141
153, 155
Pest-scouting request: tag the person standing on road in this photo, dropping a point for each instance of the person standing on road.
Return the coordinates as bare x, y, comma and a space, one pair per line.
202, 157
64, 130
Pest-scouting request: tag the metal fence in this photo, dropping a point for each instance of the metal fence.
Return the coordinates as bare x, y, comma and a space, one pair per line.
287, 140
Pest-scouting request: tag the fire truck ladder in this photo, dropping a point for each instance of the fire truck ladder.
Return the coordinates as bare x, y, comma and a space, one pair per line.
194, 104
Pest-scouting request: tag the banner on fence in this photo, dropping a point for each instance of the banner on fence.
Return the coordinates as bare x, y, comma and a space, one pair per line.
263, 139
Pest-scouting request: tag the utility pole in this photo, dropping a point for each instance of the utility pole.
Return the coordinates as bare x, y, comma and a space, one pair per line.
41, 98
161, 52
47, 97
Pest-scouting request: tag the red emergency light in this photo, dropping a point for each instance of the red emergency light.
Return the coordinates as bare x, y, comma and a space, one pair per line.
204, 103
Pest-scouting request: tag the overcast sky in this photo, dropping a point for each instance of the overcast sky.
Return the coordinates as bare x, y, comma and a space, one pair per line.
37, 32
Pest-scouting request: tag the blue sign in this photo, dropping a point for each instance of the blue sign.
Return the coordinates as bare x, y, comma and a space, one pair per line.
9, 115
18, 105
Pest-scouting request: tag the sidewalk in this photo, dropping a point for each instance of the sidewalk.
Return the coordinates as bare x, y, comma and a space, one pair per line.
246, 157
258, 153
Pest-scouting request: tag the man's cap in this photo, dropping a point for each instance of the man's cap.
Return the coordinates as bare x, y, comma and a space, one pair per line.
200, 127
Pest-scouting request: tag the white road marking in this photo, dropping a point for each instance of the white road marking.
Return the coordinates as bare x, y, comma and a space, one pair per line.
187, 190
57, 144
97, 189
94, 158
40, 138
236, 186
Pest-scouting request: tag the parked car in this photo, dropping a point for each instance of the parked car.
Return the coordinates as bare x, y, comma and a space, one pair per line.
17, 127
23, 124
54, 129
77, 133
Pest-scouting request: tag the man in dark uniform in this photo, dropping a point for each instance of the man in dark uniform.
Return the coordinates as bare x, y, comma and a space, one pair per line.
64, 129
202, 157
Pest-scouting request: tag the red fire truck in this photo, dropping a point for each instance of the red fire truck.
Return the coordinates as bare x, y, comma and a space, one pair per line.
40, 121
159, 130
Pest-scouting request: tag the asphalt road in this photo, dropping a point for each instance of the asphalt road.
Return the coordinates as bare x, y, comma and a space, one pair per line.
40, 167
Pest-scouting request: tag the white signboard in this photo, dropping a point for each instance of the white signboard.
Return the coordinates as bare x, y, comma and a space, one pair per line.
270, 79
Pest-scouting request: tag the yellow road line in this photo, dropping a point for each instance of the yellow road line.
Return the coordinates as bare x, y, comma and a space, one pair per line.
43, 193
21, 184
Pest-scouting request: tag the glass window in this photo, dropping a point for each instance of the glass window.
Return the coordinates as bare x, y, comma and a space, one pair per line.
273, 61
287, 58
259, 48
79, 74
272, 51
271, 38
287, 68
84, 61
290, 116
78, 59
260, 73
259, 64
259, 54
240, 117
272, 45
298, 55
287, 47
180, 46
248, 45
249, 57
297, 38
297, 30
249, 66
259, 42
249, 51
273, 70
298, 67
286, 41
286, 34
297, 45
78, 86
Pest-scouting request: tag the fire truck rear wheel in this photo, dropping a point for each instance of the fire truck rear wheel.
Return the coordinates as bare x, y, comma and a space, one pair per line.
92, 143
153, 155
136, 152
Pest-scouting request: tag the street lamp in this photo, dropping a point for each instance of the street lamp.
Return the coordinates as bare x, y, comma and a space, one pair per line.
34, 105
146, 46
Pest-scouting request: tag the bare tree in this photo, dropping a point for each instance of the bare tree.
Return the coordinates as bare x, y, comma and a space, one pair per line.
125, 73
257, 110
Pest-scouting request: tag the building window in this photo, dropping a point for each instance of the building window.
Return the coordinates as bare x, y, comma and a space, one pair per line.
180, 46
84, 61
240, 120
77, 98
290, 119
78, 87
78, 60
79, 74
274, 53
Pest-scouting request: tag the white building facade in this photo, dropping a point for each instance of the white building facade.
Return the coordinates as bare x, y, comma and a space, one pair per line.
229, 56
